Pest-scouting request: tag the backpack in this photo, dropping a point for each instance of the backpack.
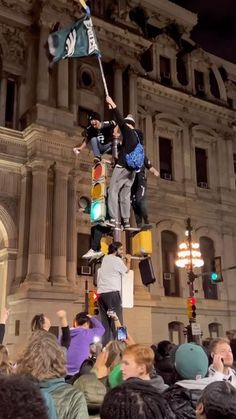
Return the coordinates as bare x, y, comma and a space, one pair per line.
135, 159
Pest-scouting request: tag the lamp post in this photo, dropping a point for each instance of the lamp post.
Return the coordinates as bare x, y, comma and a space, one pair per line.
189, 257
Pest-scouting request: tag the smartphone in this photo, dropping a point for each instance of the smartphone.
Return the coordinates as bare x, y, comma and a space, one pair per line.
121, 333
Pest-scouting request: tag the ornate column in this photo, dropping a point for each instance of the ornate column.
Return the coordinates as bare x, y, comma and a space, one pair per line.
49, 222
187, 160
149, 143
229, 145
3, 96
118, 87
62, 84
36, 259
133, 94
71, 229
59, 245
24, 225
43, 75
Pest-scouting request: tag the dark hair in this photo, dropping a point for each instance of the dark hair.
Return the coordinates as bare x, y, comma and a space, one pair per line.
164, 347
20, 397
113, 247
37, 322
131, 400
82, 318
219, 400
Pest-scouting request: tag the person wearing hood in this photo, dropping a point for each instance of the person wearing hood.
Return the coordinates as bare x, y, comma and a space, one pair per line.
85, 329
137, 364
191, 364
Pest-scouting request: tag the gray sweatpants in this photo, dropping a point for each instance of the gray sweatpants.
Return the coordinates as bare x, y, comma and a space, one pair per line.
119, 193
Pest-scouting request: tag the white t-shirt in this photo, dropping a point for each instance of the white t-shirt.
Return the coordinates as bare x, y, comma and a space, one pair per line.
109, 278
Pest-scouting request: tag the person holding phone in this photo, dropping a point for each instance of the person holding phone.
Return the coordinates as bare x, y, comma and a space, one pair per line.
221, 368
114, 265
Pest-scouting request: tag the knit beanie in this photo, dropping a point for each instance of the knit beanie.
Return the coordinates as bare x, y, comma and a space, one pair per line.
94, 115
191, 361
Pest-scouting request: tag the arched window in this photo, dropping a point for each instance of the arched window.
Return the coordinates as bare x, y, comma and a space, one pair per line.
215, 330
176, 332
170, 270
208, 254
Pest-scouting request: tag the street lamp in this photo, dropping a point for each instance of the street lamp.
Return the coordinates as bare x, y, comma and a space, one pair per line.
189, 257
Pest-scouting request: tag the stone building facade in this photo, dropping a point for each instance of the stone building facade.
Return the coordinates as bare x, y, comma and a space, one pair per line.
184, 100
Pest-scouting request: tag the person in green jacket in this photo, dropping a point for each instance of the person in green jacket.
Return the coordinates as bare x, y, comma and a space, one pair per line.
44, 359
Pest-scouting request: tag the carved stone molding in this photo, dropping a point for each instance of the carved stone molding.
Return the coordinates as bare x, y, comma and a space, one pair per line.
13, 43
18, 6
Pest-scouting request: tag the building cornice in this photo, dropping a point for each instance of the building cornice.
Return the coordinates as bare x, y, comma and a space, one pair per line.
156, 90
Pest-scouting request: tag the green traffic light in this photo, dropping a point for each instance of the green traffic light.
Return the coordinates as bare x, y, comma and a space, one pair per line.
214, 276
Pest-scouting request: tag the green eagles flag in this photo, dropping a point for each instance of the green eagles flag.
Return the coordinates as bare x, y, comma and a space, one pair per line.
77, 41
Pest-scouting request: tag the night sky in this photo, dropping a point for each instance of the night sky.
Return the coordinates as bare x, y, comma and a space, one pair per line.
216, 29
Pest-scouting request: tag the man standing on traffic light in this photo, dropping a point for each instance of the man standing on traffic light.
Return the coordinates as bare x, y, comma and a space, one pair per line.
123, 174
109, 287
98, 136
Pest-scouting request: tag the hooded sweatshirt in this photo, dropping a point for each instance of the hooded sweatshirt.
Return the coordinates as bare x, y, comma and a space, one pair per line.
78, 350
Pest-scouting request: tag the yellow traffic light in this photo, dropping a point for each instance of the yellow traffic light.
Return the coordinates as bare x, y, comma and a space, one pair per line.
93, 303
142, 243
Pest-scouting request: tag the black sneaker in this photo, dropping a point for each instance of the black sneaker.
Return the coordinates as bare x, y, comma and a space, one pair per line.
126, 225
97, 159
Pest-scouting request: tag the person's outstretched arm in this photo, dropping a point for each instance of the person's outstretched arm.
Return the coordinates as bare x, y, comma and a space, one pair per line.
65, 338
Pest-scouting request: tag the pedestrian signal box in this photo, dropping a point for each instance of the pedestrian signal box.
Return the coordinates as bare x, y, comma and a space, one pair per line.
142, 243
98, 192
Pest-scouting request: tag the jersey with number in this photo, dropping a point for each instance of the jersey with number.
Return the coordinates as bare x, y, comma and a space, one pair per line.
104, 134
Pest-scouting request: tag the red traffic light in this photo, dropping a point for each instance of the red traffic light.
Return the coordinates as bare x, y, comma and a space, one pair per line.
192, 301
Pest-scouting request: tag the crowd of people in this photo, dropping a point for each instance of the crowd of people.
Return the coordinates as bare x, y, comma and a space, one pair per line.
75, 376
92, 371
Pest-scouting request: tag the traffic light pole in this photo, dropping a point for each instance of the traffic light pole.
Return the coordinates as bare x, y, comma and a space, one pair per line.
191, 278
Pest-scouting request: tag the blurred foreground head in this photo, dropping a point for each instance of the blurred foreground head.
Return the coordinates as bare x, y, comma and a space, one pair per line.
20, 398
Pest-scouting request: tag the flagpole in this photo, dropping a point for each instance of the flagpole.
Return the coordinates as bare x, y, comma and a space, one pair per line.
87, 9
103, 75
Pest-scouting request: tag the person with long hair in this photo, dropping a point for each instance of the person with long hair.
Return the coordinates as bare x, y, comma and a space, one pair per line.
44, 359
41, 322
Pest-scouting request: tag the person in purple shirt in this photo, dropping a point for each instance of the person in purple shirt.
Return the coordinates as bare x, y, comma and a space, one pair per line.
82, 335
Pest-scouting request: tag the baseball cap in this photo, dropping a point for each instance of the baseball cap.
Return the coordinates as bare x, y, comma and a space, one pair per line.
191, 361
130, 119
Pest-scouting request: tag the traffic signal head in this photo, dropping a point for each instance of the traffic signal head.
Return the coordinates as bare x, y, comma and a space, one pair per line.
93, 302
98, 192
216, 270
191, 307
98, 210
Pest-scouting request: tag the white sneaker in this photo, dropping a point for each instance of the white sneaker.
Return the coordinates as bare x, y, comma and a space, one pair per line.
92, 254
